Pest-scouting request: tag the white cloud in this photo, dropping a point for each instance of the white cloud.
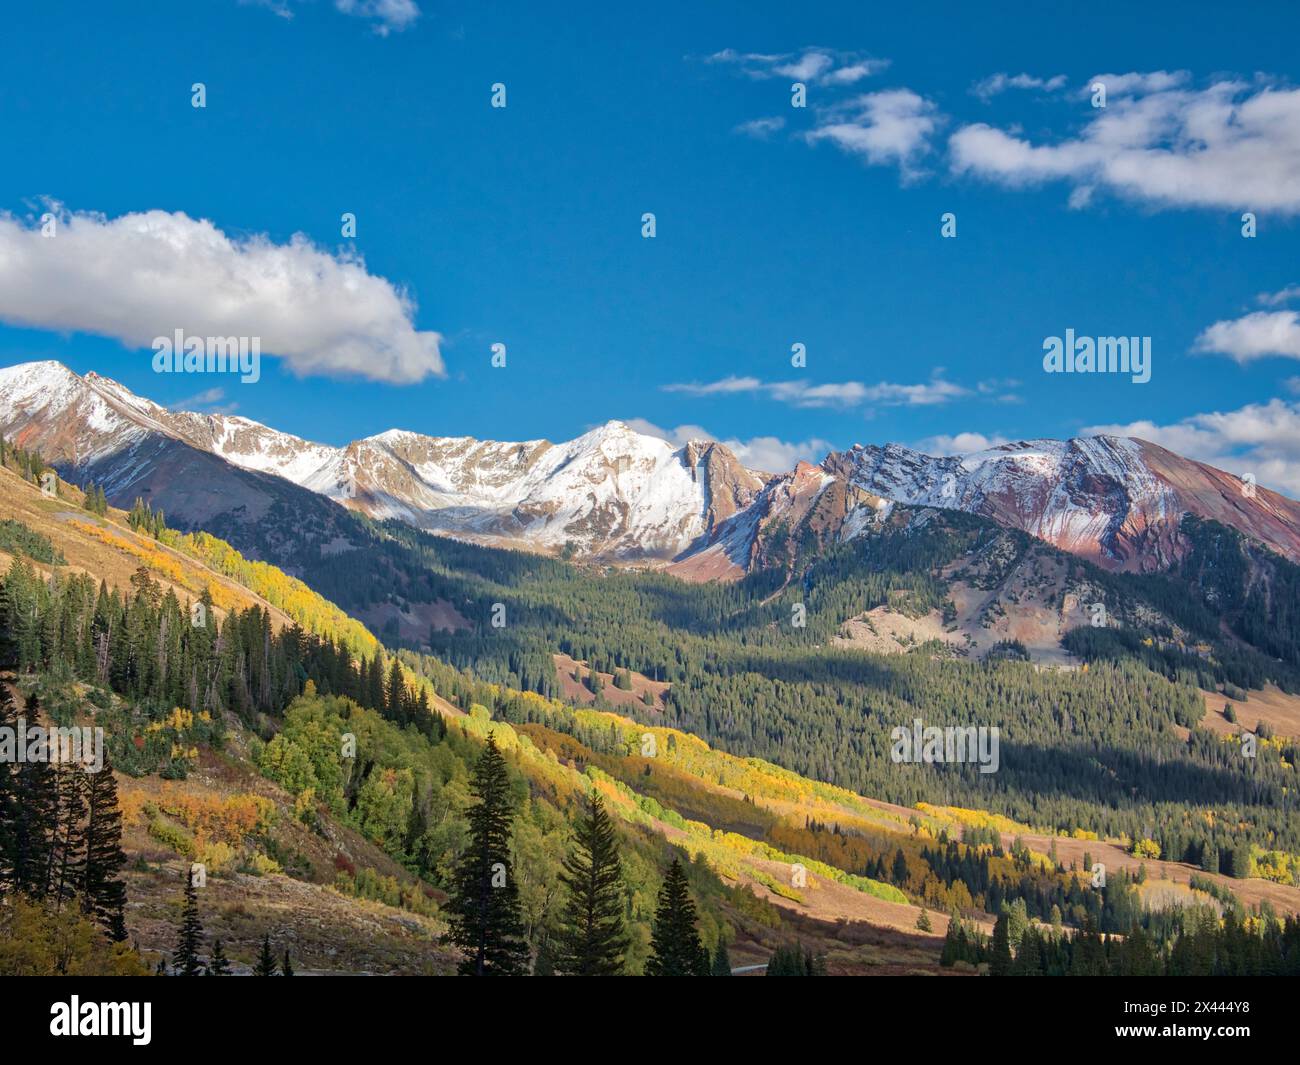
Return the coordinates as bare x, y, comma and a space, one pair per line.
1136, 83
773, 455
1257, 335
761, 128
1285, 295
1000, 83
725, 386
145, 275
813, 65
387, 16
206, 398
837, 394
769, 454
1231, 145
1260, 438
892, 127
960, 443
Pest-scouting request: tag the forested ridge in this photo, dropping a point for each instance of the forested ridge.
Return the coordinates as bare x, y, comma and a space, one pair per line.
418, 783
1099, 751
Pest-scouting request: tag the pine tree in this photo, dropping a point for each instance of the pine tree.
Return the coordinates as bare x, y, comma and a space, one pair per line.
954, 942
103, 894
900, 868
721, 960
592, 938
9, 810
34, 824
923, 921
265, 960
185, 959
486, 923
396, 695
218, 964
544, 965
67, 845
1029, 956
286, 969
675, 945
1000, 963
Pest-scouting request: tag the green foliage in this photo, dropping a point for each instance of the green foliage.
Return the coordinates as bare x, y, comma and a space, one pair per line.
592, 940
19, 539
675, 944
793, 960
185, 959
486, 922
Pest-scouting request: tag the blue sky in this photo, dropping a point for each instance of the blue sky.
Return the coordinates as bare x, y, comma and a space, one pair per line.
775, 225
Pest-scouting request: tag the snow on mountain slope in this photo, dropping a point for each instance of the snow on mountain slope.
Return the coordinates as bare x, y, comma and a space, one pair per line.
610, 493
619, 495
1117, 501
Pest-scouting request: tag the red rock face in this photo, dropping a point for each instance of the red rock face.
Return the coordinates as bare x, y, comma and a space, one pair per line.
1260, 513
1115, 501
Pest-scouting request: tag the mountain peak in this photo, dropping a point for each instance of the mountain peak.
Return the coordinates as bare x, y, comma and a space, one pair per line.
615, 492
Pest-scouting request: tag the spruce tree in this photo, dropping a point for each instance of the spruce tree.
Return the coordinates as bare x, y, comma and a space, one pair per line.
544, 965
67, 845
8, 796
218, 964
1029, 957
286, 969
34, 807
675, 946
1000, 964
185, 959
396, 696
265, 960
103, 894
592, 938
486, 923
721, 960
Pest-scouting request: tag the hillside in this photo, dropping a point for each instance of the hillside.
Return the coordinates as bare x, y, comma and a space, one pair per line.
319, 858
278, 873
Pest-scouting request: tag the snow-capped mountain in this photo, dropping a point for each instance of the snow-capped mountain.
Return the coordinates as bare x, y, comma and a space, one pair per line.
609, 493
1115, 500
616, 494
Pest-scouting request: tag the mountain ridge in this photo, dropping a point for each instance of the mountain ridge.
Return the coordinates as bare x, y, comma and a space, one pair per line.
616, 495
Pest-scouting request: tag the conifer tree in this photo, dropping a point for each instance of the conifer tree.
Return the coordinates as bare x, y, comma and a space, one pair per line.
396, 696
1000, 963
544, 965
721, 960
34, 824
218, 963
103, 894
286, 969
67, 844
592, 939
1029, 956
265, 960
675, 946
8, 796
486, 923
185, 959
